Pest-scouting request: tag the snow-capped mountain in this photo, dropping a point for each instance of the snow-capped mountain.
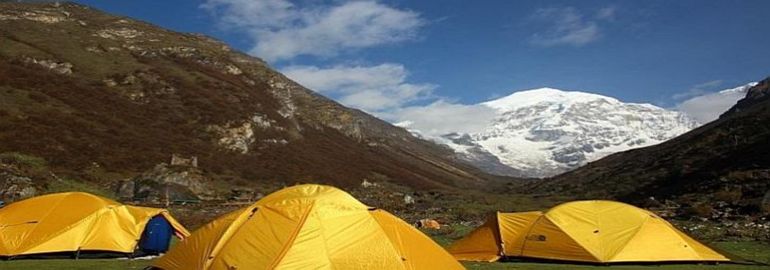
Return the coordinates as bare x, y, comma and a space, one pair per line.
543, 132
740, 89
708, 107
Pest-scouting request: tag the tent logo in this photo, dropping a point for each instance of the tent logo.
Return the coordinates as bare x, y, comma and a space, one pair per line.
536, 237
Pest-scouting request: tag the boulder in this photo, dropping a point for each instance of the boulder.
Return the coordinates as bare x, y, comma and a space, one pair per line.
15, 187
408, 199
165, 183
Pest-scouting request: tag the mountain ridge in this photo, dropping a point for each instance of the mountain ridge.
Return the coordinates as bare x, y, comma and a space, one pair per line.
722, 162
546, 131
84, 89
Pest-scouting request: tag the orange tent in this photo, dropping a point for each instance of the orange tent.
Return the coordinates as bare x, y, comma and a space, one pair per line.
75, 221
587, 231
308, 227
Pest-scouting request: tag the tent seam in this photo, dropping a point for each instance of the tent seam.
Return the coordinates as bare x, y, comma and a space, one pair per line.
94, 221
524, 243
602, 249
398, 235
630, 239
689, 245
326, 243
501, 243
292, 238
44, 217
572, 238
218, 246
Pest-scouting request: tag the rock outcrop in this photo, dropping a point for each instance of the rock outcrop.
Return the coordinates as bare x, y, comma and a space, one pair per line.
165, 183
14, 186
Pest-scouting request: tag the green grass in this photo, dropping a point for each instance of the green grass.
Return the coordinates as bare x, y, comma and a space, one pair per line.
750, 250
85, 264
23, 159
68, 185
756, 251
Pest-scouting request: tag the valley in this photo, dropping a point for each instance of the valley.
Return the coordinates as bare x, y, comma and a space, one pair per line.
134, 112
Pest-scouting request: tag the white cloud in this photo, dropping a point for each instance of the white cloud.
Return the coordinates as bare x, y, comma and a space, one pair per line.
568, 26
375, 89
607, 13
282, 30
707, 107
383, 90
253, 15
442, 117
698, 89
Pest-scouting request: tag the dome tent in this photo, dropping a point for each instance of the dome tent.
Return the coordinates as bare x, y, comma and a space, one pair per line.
585, 231
307, 227
77, 221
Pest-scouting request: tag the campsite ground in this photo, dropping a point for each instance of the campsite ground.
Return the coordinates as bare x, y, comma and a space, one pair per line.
757, 251
749, 250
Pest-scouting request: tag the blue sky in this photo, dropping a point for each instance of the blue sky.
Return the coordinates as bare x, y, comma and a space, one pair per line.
387, 56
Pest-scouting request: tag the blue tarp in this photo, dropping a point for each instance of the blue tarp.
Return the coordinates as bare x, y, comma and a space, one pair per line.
157, 235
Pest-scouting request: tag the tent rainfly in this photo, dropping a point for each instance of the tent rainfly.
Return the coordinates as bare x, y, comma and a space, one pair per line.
585, 231
307, 227
76, 221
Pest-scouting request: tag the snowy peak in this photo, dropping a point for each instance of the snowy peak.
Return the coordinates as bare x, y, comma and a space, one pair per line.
706, 108
546, 95
546, 131
740, 89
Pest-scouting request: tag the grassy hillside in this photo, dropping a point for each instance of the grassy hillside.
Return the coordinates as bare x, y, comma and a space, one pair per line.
91, 92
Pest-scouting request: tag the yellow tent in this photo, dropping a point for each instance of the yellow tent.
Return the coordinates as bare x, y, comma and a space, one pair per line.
308, 227
74, 221
587, 231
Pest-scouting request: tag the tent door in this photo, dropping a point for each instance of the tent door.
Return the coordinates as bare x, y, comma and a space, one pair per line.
157, 236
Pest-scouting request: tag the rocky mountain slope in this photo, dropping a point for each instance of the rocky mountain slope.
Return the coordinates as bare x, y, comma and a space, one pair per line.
100, 98
544, 132
723, 163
